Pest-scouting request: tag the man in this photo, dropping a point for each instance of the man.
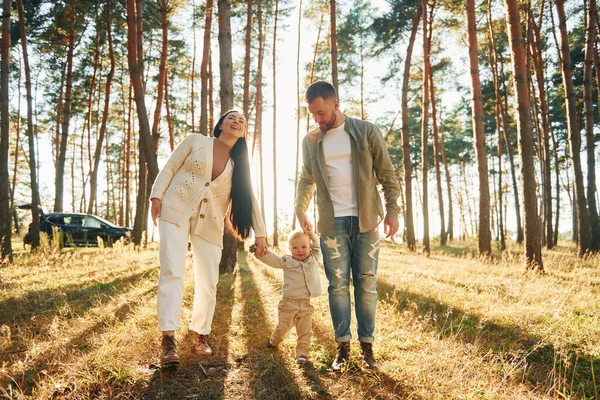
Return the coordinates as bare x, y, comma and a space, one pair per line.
345, 158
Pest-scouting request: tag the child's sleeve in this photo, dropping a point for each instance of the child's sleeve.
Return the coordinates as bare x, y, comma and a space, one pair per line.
272, 260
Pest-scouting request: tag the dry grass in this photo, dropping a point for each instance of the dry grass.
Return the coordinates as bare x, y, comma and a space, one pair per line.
81, 323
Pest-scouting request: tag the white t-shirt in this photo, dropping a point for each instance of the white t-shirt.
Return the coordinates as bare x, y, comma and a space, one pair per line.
338, 160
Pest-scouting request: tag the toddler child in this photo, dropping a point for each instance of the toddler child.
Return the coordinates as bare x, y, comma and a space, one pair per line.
301, 281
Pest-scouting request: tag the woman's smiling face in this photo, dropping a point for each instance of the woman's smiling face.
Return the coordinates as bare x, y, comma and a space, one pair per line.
234, 125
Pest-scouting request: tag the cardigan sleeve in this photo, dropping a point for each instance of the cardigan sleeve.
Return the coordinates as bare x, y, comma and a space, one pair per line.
258, 225
175, 161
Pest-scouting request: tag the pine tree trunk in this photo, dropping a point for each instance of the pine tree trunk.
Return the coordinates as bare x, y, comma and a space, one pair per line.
66, 117
5, 218
162, 70
229, 255
450, 229
99, 143
147, 153
204, 104
485, 247
275, 209
168, 115
493, 61
128, 159
17, 148
258, 136
538, 63
532, 248
425, 132
589, 126
225, 57
334, 51
583, 222
192, 79
248, 43
509, 150
409, 228
436, 150
298, 101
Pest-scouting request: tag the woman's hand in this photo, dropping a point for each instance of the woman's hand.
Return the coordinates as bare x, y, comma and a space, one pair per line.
155, 209
261, 246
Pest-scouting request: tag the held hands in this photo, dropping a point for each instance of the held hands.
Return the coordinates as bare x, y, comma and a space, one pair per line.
155, 209
260, 246
305, 223
390, 225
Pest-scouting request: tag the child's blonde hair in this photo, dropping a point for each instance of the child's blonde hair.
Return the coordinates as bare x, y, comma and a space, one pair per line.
296, 234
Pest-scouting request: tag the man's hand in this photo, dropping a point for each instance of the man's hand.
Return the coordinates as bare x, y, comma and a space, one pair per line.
305, 223
260, 244
390, 225
155, 209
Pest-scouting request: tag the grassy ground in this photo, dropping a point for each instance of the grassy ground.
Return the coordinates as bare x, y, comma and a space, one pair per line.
81, 323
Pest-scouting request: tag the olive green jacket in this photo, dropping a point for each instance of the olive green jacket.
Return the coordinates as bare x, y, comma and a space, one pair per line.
371, 164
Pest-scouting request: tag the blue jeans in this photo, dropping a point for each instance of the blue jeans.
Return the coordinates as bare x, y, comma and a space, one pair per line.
350, 251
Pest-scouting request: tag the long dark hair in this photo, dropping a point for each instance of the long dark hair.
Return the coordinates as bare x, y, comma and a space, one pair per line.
241, 186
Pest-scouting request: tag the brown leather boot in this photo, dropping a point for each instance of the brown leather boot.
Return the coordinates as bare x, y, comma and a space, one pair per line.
201, 346
342, 357
169, 351
366, 355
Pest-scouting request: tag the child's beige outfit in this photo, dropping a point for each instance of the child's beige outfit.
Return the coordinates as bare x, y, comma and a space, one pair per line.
301, 281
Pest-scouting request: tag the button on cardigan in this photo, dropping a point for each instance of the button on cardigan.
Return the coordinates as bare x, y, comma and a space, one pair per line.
184, 184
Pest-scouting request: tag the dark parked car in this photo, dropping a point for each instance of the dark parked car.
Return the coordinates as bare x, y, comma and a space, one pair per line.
80, 229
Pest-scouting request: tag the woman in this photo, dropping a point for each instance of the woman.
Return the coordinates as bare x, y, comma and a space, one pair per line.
191, 196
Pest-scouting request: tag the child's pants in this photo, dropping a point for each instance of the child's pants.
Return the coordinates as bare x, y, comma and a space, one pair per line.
173, 252
294, 312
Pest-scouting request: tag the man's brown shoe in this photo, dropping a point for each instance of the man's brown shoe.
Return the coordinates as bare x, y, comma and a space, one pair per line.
201, 346
342, 357
169, 351
366, 355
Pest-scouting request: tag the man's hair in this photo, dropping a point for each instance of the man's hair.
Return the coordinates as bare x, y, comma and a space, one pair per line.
322, 89
296, 235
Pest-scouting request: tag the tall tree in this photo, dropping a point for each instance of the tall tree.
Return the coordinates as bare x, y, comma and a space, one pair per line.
71, 21
425, 131
225, 57
147, 153
248, 44
406, 162
204, 73
109, 79
592, 15
228, 255
164, 8
275, 229
35, 194
533, 247
298, 101
493, 61
538, 62
484, 244
583, 222
333, 37
5, 219
436, 142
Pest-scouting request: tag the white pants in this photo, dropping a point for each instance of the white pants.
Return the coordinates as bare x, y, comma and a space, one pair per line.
173, 249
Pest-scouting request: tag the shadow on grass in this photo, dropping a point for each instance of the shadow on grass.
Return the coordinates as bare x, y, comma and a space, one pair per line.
537, 360
35, 312
52, 360
190, 379
377, 384
271, 379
